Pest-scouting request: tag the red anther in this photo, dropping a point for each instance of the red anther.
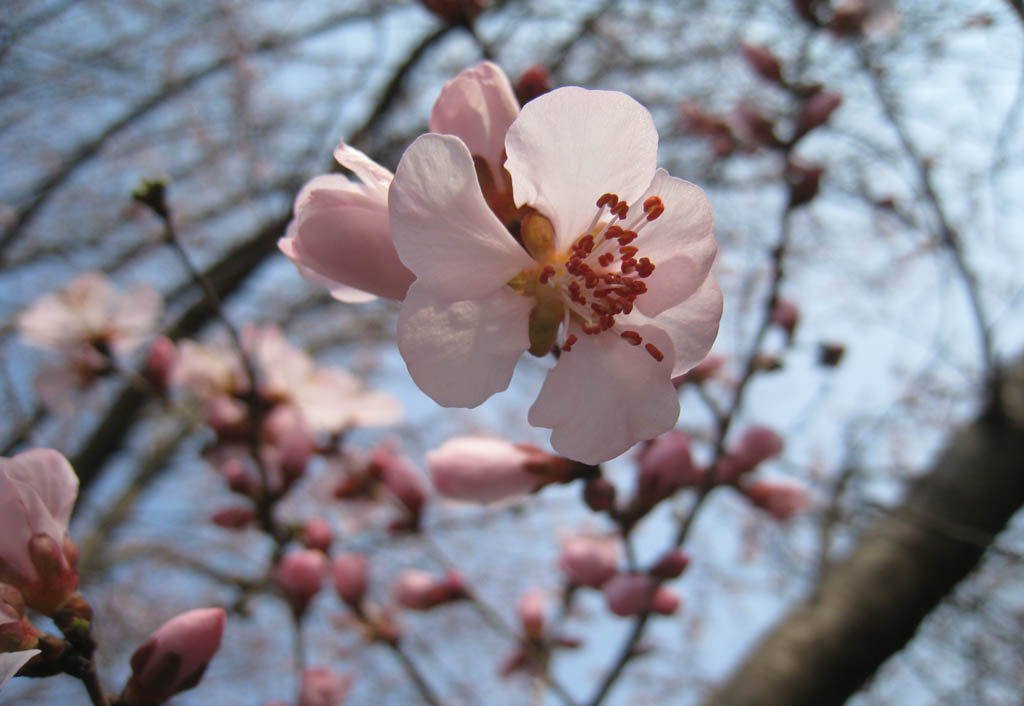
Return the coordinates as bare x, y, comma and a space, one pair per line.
591, 330
606, 259
586, 244
628, 265
608, 199
655, 353
571, 339
627, 307
547, 273
621, 209
613, 232
607, 321
627, 237
651, 202
628, 251
653, 207
645, 267
590, 281
657, 211
633, 337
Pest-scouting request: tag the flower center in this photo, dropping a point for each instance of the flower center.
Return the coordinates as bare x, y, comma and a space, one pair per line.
597, 279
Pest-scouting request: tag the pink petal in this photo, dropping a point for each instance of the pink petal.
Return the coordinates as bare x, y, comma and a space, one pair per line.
481, 469
460, 353
570, 146
693, 325
51, 477
680, 243
477, 106
369, 172
627, 396
442, 227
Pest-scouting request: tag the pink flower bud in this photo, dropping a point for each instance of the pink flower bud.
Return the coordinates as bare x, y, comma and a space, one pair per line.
455, 11
780, 497
234, 517
323, 687
351, 573
756, 445
289, 441
532, 608
484, 470
535, 81
815, 111
599, 494
16, 632
299, 575
785, 315
631, 594
418, 590
316, 534
160, 360
665, 467
227, 416
37, 491
174, 658
752, 126
671, 565
763, 62
702, 372
589, 561
804, 181
401, 479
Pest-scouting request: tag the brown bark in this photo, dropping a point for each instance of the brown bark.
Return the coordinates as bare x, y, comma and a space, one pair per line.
869, 605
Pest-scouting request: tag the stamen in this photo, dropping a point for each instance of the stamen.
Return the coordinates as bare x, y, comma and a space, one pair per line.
546, 274
606, 259
645, 267
628, 251
653, 207
621, 209
655, 353
627, 237
567, 346
607, 199
633, 337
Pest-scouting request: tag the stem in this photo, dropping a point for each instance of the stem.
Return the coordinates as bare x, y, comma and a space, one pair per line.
414, 674
91, 681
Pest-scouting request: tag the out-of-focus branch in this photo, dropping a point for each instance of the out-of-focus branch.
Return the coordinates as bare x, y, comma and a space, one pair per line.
868, 606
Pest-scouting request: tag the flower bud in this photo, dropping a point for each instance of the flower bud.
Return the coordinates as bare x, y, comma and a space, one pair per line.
531, 608
756, 445
804, 181
702, 372
289, 441
785, 315
321, 686
455, 11
16, 632
671, 565
830, 354
351, 573
631, 594
38, 489
589, 561
751, 125
779, 497
160, 360
418, 590
815, 111
484, 470
316, 534
763, 62
402, 481
599, 494
299, 575
234, 517
535, 81
665, 467
174, 658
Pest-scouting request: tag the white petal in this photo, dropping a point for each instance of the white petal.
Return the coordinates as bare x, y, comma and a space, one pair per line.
369, 172
570, 146
442, 227
680, 243
693, 325
11, 662
477, 106
606, 394
460, 353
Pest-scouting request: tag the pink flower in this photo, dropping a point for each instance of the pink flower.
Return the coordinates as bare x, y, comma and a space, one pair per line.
11, 662
419, 590
631, 594
589, 561
484, 469
665, 467
780, 497
613, 262
340, 234
38, 489
756, 445
351, 573
323, 687
90, 310
299, 575
531, 609
175, 657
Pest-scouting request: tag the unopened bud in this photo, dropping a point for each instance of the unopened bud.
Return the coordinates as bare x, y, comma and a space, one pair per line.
351, 574
632, 594
804, 181
299, 575
160, 360
532, 608
16, 632
316, 534
234, 517
599, 494
779, 497
589, 561
830, 354
484, 470
402, 481
535, 81
756, 445
762, 61
702, 372
418, 590
665, 467
321, 686
671, 565
785, 315
816, 111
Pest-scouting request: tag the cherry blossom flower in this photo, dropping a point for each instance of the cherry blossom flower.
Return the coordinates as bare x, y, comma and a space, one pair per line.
175, 657
38, 489
589, 561
612, 263
322, 686
90, 311
485, 469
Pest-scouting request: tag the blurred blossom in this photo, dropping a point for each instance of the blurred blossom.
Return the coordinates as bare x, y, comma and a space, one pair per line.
756, 445
16, 631
763, 62
535, 81
455, 11
873, 17
160, 361
419, 590
532, 608
11, 662
316, 534
90, 311
752, 126
614, 267
38, 489
700, 122
779, 497
234, 517
174, 658
401, 479
703, 371
804, 180
322, 686
786, 315
628, 594
816, 111
671, 565
351, 577
589, 561
486, 469
299, 575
